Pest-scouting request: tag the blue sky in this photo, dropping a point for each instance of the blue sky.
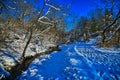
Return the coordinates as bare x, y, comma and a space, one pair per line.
81, 7
78, 8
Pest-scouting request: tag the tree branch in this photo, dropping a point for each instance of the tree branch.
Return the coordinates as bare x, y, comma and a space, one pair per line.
117, 17
103, 33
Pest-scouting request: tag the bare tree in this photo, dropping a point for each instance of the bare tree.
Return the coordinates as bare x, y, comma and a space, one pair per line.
32, 27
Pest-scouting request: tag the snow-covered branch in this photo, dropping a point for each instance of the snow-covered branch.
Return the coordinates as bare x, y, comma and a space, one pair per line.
47, 23
58, 9
11, 7
117, 17
47, 12
113, 33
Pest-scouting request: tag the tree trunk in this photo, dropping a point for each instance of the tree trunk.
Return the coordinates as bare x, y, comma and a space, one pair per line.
103, 38
28, 42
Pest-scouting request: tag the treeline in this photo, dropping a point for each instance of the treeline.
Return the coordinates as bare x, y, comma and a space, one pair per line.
103, 22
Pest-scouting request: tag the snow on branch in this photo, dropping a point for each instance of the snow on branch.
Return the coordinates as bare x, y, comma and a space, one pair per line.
113, 33
11, 7
58, 9
117, 17
14, 2
43, 17
47, 12
45, 22
45, 30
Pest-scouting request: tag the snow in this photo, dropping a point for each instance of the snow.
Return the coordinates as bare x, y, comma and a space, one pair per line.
94, 40
107, 50
45, 22
58, 9
74, 61
3, 72
77, 61
12, 53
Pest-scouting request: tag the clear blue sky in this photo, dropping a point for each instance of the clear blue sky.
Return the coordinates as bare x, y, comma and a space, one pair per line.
78, 8
81, 7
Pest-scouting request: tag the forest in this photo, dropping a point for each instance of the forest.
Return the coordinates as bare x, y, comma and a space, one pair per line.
31, 28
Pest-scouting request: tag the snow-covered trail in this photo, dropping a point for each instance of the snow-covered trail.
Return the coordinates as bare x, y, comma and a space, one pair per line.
79, 61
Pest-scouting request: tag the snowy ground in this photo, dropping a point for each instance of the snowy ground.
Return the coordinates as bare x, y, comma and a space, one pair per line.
12, 53
78, 61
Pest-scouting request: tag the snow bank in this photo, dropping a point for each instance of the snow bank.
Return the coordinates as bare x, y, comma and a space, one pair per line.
107, 50
12, 53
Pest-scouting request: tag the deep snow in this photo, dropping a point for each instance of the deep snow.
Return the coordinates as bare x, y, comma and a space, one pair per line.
78, 61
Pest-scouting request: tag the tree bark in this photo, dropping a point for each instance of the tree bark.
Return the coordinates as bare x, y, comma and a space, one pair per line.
29, 39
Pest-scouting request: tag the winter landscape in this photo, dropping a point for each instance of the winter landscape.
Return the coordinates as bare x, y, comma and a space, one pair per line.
59, 40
